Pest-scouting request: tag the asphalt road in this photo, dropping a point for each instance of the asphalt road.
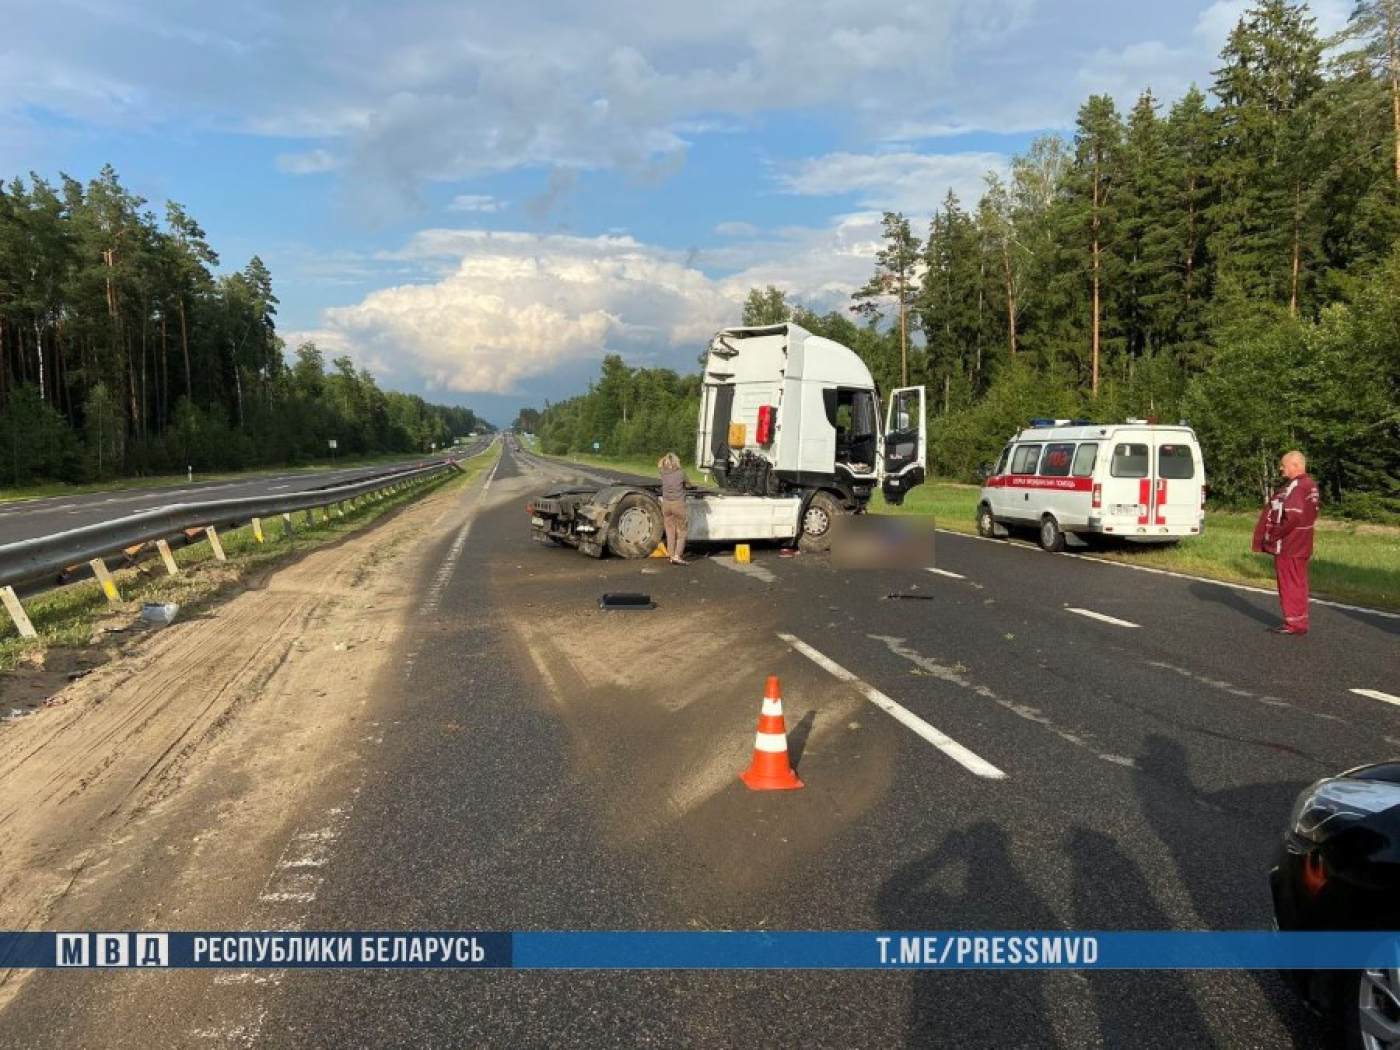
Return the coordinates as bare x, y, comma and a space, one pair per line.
30, 519
555, 766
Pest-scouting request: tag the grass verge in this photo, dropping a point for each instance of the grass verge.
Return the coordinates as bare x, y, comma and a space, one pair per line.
77, 616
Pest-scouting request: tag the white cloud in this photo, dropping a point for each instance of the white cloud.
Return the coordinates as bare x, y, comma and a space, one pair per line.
736, 229
313, 162
448, 89
1125, 74
498, 312
907, 182
475, 202
517, 306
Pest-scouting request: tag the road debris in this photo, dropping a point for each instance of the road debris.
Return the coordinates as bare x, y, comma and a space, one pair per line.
626, 600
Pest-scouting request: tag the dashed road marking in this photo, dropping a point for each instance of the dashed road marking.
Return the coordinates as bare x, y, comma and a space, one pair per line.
945, 572
1235, 690
955, 676
1100, 616
1376, 694
758, 572
973, 763
449, 565
290, 889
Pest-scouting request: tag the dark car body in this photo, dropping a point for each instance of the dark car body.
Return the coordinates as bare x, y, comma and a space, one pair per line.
1338, 868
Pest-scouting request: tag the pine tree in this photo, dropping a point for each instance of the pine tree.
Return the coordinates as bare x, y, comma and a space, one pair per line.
996, 232
1374, 30
1088, 220
951, 305
895, 277
1037, 189
1272, 66
1141, 208
1174, 292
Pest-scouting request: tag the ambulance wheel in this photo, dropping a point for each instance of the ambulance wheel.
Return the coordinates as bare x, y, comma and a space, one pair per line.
1051, 538
817, 521
636, 529
986, 524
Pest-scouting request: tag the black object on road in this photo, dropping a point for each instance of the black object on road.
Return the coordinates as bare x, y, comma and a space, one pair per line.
626, 601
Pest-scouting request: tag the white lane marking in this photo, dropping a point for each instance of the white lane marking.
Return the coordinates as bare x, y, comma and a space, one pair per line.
1100, 616
954, 676
1234, 690
449, 565
1081, 556
1376, 694
758, 572
945, 572
950, 747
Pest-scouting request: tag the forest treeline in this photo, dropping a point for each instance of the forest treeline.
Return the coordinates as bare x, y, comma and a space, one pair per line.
1232, 260
121, 352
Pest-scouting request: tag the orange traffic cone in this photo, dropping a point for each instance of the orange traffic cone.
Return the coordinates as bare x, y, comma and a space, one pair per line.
770, 770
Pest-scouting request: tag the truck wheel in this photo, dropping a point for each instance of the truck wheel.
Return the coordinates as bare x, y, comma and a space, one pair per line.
636, 527
986, 524
1051, 538
817, 520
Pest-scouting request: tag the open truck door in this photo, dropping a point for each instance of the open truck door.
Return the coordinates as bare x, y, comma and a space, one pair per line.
905, 446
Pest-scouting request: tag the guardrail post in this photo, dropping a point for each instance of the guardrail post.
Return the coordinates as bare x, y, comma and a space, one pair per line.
257, 529
167, 557
310, 517
287, 529
214, 542
109, 585
17, 613
326, 513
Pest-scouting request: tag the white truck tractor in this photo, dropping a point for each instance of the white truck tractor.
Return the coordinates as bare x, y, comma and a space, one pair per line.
790, 430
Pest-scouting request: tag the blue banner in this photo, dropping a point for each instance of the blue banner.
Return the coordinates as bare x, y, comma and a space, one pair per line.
875, 950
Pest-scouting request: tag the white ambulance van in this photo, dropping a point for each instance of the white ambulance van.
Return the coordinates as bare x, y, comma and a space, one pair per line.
1067, 478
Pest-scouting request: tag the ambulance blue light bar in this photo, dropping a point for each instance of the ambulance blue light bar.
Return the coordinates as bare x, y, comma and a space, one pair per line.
1046, 422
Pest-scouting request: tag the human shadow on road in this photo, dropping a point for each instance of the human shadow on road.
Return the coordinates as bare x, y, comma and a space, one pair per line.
1110, 893
1386, 625
1222, 844
1233, 599
970, 882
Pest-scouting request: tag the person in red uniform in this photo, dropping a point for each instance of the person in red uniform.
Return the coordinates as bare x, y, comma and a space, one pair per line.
1285, 530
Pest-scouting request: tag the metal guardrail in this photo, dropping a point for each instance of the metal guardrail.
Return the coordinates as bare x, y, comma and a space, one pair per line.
34, 559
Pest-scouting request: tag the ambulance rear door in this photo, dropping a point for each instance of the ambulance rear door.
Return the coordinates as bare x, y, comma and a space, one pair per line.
1126, 481
1179, 484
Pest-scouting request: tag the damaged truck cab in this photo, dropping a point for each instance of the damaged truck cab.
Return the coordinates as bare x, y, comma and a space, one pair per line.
790, 429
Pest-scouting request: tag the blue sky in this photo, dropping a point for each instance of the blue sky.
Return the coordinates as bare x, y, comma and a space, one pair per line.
478, 205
